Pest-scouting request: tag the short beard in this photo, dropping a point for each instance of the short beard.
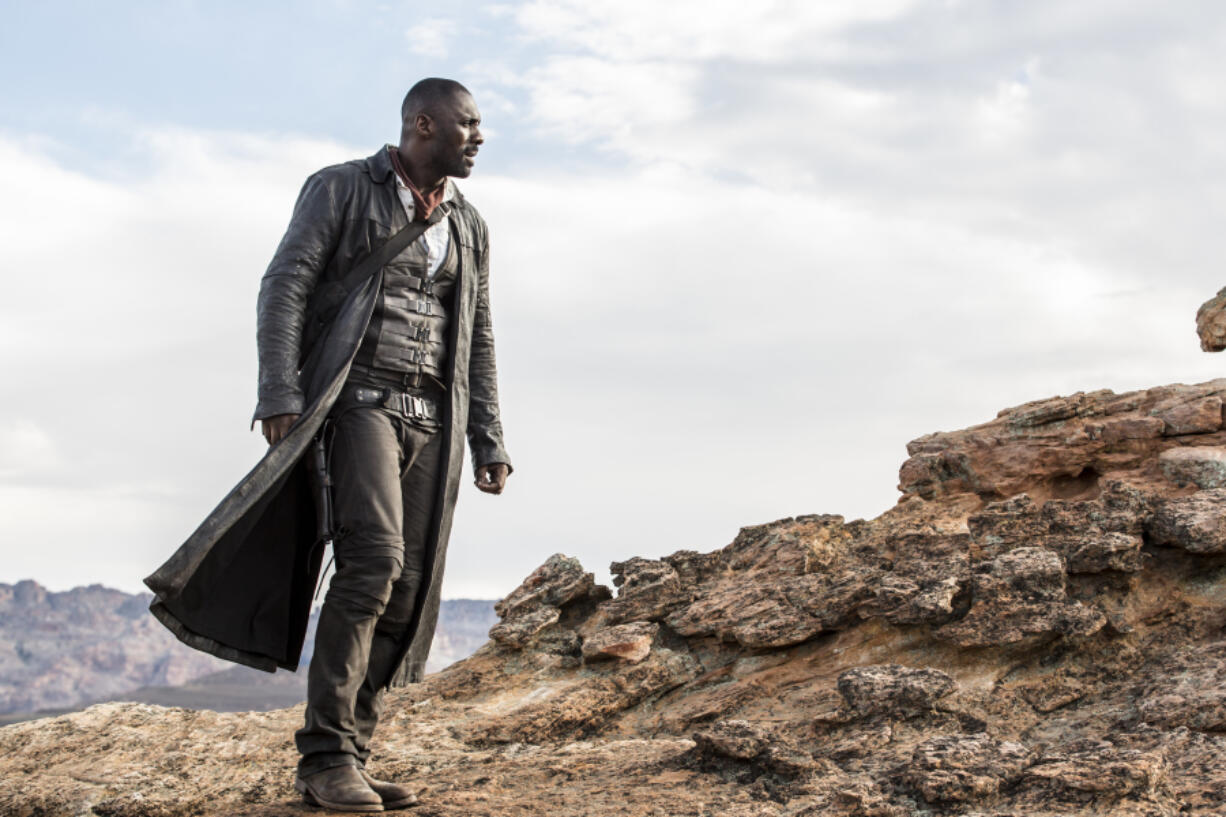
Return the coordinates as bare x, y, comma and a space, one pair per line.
459, 170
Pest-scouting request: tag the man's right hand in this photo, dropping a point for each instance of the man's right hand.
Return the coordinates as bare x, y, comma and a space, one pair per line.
275, 428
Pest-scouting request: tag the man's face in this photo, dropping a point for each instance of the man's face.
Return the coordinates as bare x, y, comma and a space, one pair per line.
457, 136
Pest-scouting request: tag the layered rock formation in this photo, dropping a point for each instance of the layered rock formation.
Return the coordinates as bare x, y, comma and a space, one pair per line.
1037, 628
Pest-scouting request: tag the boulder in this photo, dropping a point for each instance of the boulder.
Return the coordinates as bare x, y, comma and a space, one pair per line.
628, 642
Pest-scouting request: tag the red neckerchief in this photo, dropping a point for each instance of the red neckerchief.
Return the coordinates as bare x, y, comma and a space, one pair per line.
423, 205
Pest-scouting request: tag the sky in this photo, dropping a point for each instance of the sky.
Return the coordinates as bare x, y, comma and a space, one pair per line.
741, 253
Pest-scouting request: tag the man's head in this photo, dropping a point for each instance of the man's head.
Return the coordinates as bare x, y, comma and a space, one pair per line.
440, 131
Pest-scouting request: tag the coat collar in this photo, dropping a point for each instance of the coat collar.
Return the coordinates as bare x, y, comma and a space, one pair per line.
379, 166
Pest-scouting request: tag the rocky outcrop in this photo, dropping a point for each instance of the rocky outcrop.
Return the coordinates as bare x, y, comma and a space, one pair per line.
1038, 627
1211, 323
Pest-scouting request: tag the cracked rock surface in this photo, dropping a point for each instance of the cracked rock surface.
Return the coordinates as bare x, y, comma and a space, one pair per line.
1037, 628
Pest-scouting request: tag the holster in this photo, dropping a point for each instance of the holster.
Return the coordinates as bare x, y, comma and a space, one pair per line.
321, 484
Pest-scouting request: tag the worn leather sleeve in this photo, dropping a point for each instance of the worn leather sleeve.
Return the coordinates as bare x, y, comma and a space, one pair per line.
484, 422
296, 266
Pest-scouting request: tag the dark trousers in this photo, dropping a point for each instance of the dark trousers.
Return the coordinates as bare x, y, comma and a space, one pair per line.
385, 477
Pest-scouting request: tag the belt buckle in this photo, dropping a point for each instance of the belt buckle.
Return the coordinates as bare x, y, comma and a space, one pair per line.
412, 406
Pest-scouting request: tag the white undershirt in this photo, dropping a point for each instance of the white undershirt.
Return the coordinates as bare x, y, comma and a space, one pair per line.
437, 237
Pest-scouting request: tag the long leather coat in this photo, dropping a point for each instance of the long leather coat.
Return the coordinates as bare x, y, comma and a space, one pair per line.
241, 586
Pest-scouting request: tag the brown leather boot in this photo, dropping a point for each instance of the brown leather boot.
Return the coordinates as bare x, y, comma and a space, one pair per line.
394, 795
340, 788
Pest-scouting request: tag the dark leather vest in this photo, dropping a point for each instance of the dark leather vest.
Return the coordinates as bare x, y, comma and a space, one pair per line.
407, 334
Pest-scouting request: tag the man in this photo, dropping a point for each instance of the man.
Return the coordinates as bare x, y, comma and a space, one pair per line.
393, 363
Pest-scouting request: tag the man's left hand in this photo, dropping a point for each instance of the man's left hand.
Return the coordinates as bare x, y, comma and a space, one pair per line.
492, 478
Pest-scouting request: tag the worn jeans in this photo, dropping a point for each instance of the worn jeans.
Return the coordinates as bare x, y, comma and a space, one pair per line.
385, 478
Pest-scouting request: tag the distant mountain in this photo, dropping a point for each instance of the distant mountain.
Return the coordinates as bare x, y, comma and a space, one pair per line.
60, 651
463, 626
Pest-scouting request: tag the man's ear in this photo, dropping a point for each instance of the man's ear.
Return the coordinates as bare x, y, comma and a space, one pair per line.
423, 125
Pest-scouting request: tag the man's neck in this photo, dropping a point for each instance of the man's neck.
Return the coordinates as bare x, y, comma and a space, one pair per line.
424, 181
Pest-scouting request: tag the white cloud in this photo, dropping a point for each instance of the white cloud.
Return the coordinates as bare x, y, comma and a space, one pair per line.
26, 450
431, 37
591, 100
1074, 124
1003, 118
775, 30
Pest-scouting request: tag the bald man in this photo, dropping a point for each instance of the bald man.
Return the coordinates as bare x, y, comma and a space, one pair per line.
420, 377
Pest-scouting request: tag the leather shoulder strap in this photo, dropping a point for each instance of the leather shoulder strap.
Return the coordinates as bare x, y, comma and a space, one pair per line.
386, 252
